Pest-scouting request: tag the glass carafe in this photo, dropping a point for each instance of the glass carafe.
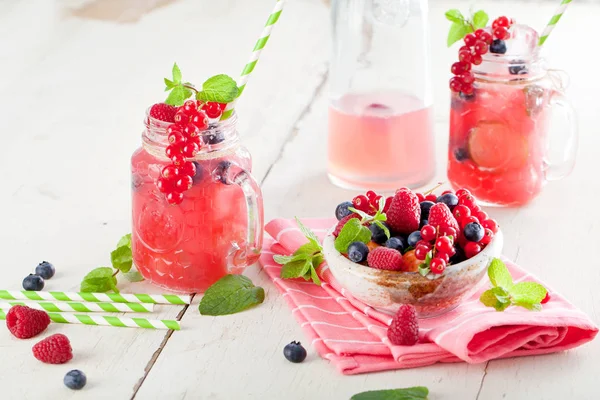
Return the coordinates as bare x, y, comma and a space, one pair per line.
380, 109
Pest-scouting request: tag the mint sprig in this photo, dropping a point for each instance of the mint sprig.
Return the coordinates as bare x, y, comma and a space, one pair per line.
505, 293
305, 261
229, 295
219, 88
462, 26
355, 230
412, 393
179, 91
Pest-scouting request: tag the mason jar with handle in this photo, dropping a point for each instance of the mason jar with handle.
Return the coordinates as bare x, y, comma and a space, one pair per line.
218, 227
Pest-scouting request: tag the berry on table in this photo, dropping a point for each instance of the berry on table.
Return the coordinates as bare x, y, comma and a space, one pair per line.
33, 282
378, 234
75, 379
473, 232
404, 329
163, 112
396, 243
24, 322
498, 46
357, 252
448, 199
294, 352
342, 211
385, 258
428, 233
472, 249
45, 270
55, 349
438, 265
413, 238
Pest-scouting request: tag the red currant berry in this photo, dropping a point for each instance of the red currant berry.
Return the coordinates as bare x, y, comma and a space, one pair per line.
477, 59
423, 243
468, 220
200, 121
462, 191
420, 197
361, 202
421, 252
181, 117
459, 67
371, 195
388, 203
174, 198
172, 150
190, 130
448, 231
183, 183
470, 40
191, 149
481, 215
177, 139
165, 185
468, 78
212, 110
188, 168
486, 37
223, 106
170, 172
438, 265
487, 238
478, 33
467, 200
375, 202
495, 24
546, 299
443, 256
174, 128
468, 89
428, 233
195, 139
503, 21
491, 225
178, 160
465, 56
443, 244
431, 197
472, 249
481, 47
461, 211
501, 33
190, 107
456, 84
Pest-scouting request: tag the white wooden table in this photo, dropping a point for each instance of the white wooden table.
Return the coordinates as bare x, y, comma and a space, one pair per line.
76, 77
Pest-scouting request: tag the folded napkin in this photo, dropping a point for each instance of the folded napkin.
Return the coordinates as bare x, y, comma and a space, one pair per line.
353, 335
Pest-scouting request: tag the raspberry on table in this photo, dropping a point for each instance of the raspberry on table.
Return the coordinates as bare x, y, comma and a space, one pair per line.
385, 258
24, 322
404, 329
55, 349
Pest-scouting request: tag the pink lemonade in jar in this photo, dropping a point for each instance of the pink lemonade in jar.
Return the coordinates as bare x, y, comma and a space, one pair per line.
215, 230
380, 140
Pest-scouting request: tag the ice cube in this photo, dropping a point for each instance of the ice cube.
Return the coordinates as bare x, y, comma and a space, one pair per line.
522, 42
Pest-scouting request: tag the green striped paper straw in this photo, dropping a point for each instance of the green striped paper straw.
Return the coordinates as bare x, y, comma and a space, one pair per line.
553, 21
258, 48
96, 297
81, 307
105, 320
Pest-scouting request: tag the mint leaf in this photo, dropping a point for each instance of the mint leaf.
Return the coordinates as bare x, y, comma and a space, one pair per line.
176, 97
133, 275
121, 259
529, 306
176, 74
283, 259
424, 269
169, 84
499, 274
454, 15
480, 19
353, 231
314, 275
229, 295
458, 30
125, 241
219, 88
527, 293
311, 248
296, 268
99, 280
496, 298
310, 235
413, 393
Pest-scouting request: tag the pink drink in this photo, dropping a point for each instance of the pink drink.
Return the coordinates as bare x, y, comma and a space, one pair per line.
380, 140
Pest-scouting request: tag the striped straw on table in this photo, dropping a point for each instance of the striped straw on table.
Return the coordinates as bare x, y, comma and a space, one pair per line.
553, 21
258, 48
96, 297
105, 320
81, 307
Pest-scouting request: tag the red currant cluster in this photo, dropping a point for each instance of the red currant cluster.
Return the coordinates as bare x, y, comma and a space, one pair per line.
476, 45
184, 143
440, 246
467, 211
369, 202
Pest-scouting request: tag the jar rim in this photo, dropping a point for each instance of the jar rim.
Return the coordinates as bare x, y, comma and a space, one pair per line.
160, 127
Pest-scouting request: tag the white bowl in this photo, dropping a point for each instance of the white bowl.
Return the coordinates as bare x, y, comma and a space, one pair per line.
431, 295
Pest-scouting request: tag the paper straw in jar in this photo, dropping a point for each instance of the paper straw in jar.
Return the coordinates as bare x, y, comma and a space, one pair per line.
553, 21
96, 297
105, 320
258, 48
81, 307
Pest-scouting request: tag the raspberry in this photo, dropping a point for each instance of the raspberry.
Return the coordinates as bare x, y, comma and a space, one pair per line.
342, 222
404, 214
163, 112
24, 322
546, 299
441, 217
55, 349
404, 329
385, 258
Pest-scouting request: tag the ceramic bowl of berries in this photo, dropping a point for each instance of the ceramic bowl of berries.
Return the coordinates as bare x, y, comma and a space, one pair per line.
430, 251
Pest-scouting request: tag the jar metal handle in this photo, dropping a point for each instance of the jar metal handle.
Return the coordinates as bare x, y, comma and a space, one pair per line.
558, 170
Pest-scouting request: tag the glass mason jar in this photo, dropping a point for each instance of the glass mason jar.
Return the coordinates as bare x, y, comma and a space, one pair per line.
380, 108
501, 136
216, 230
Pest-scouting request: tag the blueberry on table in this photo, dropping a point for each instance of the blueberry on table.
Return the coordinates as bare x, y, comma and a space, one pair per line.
396, 243
294, 352
45, 270
448, 199
413, 238
342, 211
357, 252
378, 234
33, 282
473, 232
75, 379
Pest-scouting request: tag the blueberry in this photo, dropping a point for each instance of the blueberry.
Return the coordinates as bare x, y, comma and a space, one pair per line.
215, 136
199, 173
294, 352
467, 97
377, 234
75, 379
33, 282
342, 211
498, 46
519, 68
357, 252
473, 232
222, 172
461, 154
396, 243
423, 223
448, 199
425, 207
459, 255
45, 270
413, 238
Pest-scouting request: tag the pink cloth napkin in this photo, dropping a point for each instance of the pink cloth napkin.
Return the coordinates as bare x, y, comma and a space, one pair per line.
353, 336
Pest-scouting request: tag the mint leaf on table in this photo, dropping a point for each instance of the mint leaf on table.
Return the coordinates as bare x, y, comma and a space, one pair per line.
229, 295
305, 260
480, 19
499, 274
121, 258
496, 298
528, 294
99, 280
412, 393
219, 88
353, 231
125, 241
